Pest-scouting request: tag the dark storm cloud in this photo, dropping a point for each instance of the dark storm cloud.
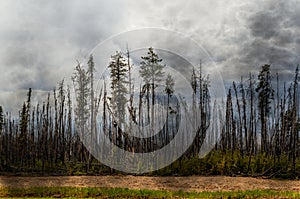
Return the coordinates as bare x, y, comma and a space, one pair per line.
272, 29
264, 25
260, 52
275, 42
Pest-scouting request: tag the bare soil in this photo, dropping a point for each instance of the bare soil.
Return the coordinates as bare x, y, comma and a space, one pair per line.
192, 183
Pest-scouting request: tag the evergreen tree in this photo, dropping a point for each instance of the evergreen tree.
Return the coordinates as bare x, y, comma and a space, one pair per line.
81, 82
169, 91
1, 119
169, 85
24, 128
90, 73
118, 75
152, 70
118, 83
295, 131
265, 97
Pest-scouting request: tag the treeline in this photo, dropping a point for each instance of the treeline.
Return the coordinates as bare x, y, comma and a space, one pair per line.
258, 122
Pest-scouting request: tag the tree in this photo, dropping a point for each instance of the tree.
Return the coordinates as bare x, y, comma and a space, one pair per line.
24, 128
244, 106
81, 82
118, 76
118, 80
250, 138
61, 122
1, 119
69, 123
295, 131
240, 118
1, 133
131, 108
265, 96
230, 136
151, 69
169, 91
152, 73
90, 73
194, 85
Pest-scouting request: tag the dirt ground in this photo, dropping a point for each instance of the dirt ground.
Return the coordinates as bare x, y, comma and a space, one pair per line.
192, 183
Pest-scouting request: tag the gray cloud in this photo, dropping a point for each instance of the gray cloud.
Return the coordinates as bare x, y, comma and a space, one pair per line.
270, 30
41, 40
274, 41
265, 25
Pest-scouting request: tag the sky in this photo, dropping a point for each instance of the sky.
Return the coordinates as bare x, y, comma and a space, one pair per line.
41, 40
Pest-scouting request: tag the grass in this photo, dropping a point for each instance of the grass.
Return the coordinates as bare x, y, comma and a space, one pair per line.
73, 192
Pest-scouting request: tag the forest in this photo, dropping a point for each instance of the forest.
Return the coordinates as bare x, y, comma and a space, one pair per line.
258, 123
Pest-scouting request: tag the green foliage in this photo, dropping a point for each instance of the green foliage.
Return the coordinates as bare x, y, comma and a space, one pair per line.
72, 192
231, 164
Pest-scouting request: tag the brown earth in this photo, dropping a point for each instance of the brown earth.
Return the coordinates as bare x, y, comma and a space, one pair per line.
192, 183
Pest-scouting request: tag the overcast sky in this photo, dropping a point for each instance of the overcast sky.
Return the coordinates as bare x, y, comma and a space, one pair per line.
41, 40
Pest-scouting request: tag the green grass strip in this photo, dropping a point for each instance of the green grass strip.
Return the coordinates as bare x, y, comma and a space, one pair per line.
73, 192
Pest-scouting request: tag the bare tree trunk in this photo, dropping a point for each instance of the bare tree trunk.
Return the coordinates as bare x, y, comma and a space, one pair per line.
240, 119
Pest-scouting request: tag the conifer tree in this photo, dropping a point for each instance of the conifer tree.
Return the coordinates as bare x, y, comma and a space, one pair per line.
1, 119
265, 96
169, 89
151, 70
118, 75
